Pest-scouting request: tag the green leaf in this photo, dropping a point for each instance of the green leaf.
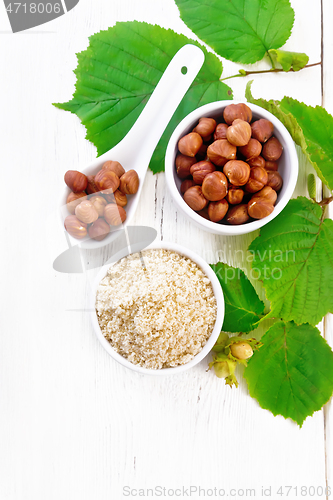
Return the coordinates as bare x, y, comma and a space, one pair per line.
239, 30
289, 60
292, 373
312, 186
311, 128
243, 308
294, 258
117, 74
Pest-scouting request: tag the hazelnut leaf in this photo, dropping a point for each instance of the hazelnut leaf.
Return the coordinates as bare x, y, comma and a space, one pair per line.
289, 60
243, 308
293, 257
292, 373
311, 128
118, 72
239, 30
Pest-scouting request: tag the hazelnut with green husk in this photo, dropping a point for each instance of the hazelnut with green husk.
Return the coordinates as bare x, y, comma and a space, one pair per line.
227, 352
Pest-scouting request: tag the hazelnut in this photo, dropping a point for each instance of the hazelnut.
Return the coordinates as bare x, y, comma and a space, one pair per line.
200, 170
272, 149
258, 161
129, 182
237, 215
237, 171
220, 151
195, 199
239, 133
235, 196
186, 184
114, 166
99, 230
257, 180
259, 208
205, 127
241, 350
75, 227
91, 186
262, 129
271, 165
266, 192
120, 198
204, 213
274, 180
190, 144
215, 186
202, 153
107, 181
220, 131
76, 181
73, 200
183, 165
251, 150
86, 212
99, 204
217, 210
114, 214
234, 111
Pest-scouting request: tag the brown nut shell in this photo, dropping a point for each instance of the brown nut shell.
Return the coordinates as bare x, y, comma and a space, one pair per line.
91, 186
183, 165
99, 203
195, 199
275, 180
74, 199
266, 192
129, 182
237, 215
186, 184
258, 161
117, 197
220, 151
215, 186
251, 150
217, 210
114, 166
271, 165
272, 149
107, 181
262, 129
234, 111
220, 131
237, 171
114, 214
259, 208
239, 133
190, 144
235, 196
200, 170
86, 212
76, 181
205, 127
99, 230
75, 227
257, 180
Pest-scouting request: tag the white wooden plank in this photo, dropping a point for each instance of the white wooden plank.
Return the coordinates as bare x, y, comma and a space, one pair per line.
74, 424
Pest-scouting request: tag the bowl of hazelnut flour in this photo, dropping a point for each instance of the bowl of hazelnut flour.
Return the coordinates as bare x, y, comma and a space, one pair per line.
158, 311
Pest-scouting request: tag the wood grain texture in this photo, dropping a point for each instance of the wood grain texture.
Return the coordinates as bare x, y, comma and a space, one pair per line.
73, 423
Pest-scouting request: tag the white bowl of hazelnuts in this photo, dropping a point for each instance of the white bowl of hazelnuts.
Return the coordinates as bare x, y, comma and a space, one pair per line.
231, 167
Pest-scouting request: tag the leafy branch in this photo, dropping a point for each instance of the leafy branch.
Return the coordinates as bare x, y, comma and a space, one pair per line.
243, 72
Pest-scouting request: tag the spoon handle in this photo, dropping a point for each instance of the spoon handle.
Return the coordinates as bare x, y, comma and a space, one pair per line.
173, 85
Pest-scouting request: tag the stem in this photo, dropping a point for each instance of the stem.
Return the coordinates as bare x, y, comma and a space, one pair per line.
325, 201
273, 70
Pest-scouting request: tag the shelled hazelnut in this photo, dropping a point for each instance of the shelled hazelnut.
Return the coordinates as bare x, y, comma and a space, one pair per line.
228, 166
97, 202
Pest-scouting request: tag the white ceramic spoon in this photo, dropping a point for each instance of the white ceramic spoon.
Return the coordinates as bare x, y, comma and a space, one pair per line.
134, 151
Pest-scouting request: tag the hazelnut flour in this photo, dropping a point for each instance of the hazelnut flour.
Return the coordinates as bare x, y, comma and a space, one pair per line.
156, 308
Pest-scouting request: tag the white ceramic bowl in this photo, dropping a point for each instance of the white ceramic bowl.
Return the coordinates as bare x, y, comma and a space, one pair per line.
212, 339
288, 167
